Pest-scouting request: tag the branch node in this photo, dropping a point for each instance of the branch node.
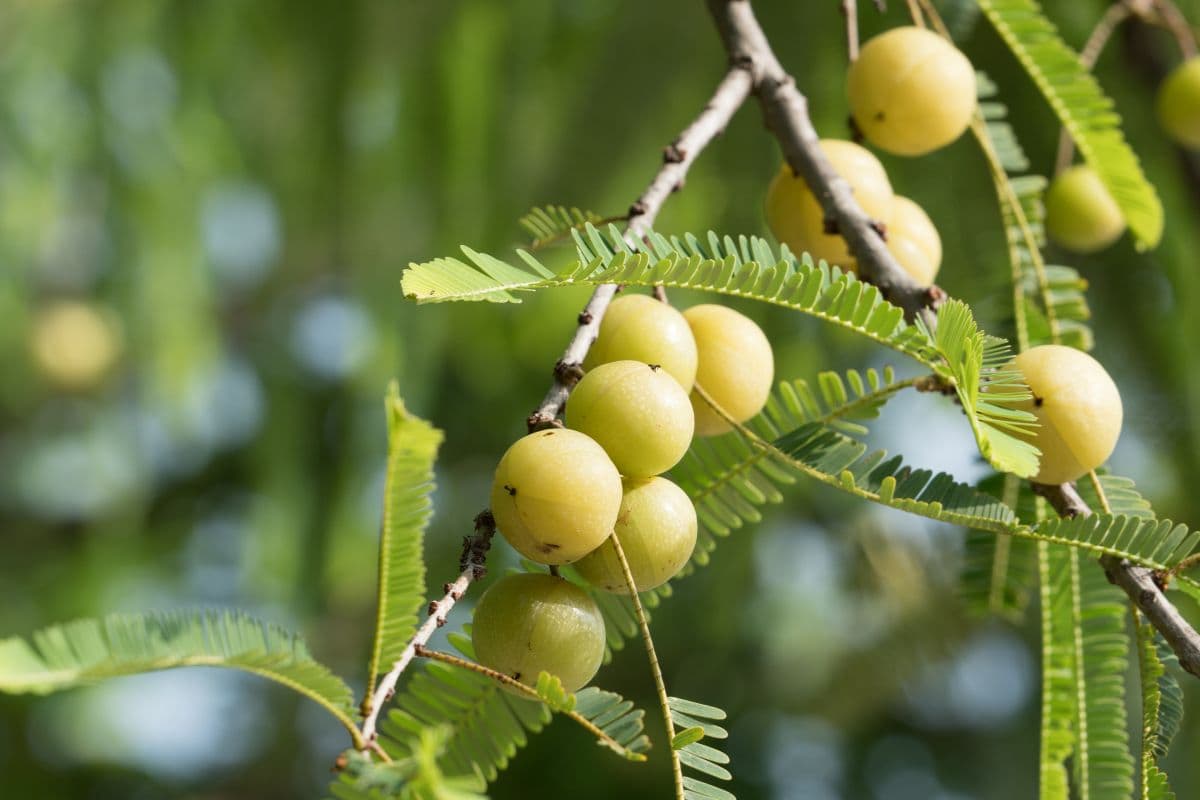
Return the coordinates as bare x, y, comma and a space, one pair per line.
830, 225
674, 154
880, 227
637, 209
568, 373
585, 317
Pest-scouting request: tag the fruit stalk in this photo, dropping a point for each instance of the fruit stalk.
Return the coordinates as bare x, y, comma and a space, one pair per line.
472, 566
677, 157
786, 112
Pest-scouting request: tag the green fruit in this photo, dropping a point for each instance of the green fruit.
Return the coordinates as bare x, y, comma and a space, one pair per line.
528, 624
796, 218
914, 241
1080, 213
1179, 103
735, 366
638, 413
639, 328
911, 91
657, 530
1078, 408
555, 496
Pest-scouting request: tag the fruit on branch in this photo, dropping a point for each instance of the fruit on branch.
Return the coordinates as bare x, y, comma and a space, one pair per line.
1179, 103
1080, 213
911, 91
657, 530
530, 623
914, 241
1078, 409
735, 366
796, 218
637, 327
556, 495
74, 345
637, 412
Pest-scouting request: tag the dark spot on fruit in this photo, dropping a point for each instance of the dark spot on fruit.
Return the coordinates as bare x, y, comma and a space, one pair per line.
512, 490
655, 367
549, 547
879, 115
548, 433
1037, 401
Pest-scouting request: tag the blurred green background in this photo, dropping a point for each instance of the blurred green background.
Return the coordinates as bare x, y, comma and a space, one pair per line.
205, 208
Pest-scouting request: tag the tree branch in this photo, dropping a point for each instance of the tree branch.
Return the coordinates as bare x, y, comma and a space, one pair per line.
850, 12
677, 159
786, 112
1139, 583
472, 568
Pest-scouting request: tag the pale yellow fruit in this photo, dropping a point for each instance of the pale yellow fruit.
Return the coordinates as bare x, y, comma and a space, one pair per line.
735, 367
639, 328
74, 345
914, 241
639, 414
1080, 213
1179, 103
528, 624
657, 530
911, 91
555, 496
796, 218
1078, 408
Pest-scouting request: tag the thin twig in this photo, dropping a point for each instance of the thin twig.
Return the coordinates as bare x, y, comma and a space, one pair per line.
655, 668
787, 117
850, 12
677, 158
1112, 19
472, 568
786, 112
516, 685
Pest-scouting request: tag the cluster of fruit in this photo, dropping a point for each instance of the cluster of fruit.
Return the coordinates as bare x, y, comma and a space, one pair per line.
910, 92
1081, 214
652, 378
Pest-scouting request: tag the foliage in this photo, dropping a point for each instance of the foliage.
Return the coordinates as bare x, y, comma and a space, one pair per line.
412, 448
1083, 108
86, 651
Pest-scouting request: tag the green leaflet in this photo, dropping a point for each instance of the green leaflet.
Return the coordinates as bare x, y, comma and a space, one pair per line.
1103, 764
412, 449
488, 724
85, 651
1162, 709
1057, 737
1158, 544
550, 224
1048, 299
697, 721
1084, 109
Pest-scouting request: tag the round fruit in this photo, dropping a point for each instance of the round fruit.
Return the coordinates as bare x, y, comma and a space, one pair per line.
1080, 213
914, 241
74, 345
1078, 408
638, 413
555, 496
639, 328
657, 529
735, 367
1179, 103
528, 624
911, 91
796, 218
